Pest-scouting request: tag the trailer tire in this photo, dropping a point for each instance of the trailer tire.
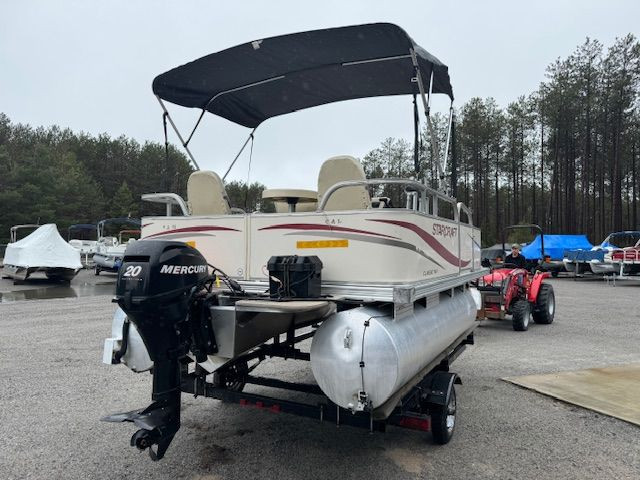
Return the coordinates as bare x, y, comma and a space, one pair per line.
521, 315
545, 305
97, 270
443, 419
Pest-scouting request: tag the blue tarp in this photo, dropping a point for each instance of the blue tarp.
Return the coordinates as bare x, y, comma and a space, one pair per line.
555, 245
584, 255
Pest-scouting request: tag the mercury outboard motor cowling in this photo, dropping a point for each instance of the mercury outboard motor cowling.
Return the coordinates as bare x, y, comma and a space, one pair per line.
156, 287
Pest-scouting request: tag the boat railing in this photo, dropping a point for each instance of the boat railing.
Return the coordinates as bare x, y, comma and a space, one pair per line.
169, 200
420, 198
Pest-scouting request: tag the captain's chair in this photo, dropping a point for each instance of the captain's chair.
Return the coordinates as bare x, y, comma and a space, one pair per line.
339, 169
206, 194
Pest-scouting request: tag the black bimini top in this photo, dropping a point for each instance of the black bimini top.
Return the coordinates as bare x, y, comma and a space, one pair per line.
258, 80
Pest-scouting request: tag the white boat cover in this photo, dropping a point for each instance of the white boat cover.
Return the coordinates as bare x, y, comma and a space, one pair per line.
42, 248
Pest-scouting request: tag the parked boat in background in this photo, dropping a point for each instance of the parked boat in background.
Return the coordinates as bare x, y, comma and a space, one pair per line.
44, 250
554, 248
110, 249
626, 260
580, 261
77, 236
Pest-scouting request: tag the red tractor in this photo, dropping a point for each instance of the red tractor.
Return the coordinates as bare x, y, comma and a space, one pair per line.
511, 290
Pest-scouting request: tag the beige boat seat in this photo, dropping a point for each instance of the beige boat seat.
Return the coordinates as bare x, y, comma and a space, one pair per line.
339, 169
206, 194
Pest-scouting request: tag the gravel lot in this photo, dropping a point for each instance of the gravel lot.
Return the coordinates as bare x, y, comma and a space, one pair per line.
53, 390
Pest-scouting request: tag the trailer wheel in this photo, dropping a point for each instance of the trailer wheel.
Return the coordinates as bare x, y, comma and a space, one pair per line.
545, 305
232, 377
521, 315
97, 270
443, 420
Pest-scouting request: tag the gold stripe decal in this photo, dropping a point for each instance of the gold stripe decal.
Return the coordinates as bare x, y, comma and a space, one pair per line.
322, 244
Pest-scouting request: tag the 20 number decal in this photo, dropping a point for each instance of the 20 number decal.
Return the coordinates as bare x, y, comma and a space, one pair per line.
132, 271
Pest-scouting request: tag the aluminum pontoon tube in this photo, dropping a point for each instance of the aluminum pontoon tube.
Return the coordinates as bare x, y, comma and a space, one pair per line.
363, 350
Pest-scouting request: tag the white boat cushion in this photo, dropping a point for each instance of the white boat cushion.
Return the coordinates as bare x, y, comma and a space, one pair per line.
339, 169
206, 194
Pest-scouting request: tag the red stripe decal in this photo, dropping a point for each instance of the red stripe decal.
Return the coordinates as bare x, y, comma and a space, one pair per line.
430, 239
202, 228
319, 226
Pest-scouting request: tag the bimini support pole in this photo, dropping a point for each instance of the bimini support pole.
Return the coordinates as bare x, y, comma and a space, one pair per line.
445, 158
250, 137
175, 129
426, 103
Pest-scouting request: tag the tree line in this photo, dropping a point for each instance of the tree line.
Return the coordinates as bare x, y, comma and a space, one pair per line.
565, 157
53, 175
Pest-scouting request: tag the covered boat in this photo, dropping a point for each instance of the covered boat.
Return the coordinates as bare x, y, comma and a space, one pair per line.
384, 292
597, 258
555, 246
44, 250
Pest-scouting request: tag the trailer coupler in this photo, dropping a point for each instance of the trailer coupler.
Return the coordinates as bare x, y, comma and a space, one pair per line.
158, 424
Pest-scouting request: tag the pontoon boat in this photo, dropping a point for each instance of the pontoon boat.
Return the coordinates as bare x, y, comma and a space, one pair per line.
384, 292
77, 235
110, 249
43, 250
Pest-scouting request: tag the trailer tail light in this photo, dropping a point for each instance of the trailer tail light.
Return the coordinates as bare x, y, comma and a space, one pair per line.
415, 423
275, 408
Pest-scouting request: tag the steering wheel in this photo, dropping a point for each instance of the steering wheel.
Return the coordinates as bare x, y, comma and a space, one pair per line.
507, 265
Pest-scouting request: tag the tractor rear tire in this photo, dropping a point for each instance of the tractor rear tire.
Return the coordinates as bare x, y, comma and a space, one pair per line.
521, 315
545, 305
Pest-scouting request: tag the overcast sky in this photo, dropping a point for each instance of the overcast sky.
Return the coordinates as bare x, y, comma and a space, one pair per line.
88, 65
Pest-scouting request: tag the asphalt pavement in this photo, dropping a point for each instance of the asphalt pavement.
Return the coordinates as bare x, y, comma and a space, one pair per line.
54, 389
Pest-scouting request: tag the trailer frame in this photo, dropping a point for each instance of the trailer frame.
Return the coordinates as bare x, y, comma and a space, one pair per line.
412, 410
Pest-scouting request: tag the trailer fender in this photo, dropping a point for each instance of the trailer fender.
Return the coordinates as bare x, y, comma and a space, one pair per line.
536, 282
440, 386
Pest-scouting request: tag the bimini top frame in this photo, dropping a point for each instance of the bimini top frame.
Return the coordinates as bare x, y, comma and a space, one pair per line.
101, 226
252, 82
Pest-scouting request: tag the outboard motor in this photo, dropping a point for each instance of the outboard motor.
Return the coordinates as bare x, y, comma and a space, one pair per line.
159, 288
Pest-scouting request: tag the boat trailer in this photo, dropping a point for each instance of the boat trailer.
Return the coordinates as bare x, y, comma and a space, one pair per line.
430, 394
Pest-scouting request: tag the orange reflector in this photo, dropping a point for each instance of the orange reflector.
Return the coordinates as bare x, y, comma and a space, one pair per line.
191, 243
322, 244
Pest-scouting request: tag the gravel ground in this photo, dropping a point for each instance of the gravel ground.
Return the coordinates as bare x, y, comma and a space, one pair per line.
53, 390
